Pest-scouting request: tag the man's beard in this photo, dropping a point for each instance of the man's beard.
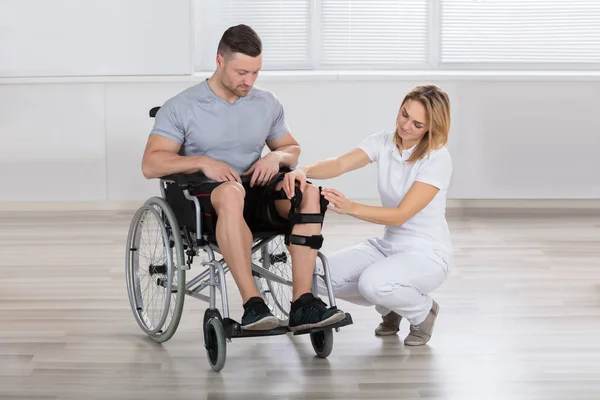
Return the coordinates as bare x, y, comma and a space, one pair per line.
235, 91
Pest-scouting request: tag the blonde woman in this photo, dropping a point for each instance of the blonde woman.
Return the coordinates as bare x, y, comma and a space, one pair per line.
397, 271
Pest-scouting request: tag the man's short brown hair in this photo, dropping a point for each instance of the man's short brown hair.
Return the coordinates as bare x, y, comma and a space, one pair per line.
240, 39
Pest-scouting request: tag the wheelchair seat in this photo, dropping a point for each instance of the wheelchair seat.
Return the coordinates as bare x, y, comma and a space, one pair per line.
178, 190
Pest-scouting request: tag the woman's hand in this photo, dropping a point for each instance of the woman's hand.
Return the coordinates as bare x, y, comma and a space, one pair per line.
337, 201
290, 179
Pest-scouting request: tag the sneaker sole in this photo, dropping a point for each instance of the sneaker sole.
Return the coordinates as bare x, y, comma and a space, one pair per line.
335, 318
386, 333
264, 324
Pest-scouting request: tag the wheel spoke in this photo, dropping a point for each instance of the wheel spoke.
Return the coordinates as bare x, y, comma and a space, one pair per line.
157, 306
277, 296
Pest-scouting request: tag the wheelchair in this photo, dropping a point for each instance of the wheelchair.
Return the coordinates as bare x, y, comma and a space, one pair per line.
156, 274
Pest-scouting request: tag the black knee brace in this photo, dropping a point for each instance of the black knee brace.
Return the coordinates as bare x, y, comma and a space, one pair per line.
314, 241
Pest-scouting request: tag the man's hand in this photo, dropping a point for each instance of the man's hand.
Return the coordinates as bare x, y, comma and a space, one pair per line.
220, 171
290, 179
263, 170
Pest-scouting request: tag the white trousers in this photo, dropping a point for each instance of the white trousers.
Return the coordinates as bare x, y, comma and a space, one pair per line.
378, 273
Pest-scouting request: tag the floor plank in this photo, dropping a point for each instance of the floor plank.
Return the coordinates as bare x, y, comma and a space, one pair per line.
519, 319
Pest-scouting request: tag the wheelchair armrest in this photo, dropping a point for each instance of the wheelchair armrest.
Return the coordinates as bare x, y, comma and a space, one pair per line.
182, 180
186, 180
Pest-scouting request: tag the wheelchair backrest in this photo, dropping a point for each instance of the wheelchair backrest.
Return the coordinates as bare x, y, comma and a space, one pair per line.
153, 111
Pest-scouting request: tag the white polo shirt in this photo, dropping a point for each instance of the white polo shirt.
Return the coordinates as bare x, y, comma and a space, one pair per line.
427, 229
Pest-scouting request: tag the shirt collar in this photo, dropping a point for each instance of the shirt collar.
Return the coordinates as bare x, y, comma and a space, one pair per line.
405, 153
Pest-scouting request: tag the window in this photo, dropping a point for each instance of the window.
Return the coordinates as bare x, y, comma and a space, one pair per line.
373, 34
520, 33
283, 26
408, 34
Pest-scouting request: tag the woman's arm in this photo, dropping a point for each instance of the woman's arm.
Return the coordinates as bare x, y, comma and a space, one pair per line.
418, 196
329, 168
332, 167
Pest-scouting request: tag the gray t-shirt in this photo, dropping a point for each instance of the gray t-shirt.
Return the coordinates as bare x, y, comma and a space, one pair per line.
207, 125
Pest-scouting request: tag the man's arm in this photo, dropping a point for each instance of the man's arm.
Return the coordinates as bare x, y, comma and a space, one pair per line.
161, 158
285, 149
285, 152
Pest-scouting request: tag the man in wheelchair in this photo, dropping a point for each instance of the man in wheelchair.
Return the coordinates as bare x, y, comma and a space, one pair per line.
217, 130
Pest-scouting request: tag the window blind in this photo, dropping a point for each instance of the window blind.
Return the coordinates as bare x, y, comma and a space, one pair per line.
283, 26
520, 32
373, 33
409, 34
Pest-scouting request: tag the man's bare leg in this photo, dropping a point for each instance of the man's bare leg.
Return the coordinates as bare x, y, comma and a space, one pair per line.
235, 242
234, 237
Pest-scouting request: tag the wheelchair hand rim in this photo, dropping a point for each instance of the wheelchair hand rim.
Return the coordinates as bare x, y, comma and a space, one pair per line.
133, 279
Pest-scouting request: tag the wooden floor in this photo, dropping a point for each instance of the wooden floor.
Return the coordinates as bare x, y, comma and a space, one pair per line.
519, 319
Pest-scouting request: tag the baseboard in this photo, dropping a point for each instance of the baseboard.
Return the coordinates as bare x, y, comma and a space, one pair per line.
70, 206
461, 204
514, 203
525, 203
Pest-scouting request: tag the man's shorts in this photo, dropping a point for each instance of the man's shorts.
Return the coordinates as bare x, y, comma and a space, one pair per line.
259, 211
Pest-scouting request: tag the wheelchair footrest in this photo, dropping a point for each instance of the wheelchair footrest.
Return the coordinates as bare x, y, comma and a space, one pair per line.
346, 321
233, 329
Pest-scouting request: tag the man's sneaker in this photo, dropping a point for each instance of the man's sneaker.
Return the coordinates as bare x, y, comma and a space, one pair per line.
309, 312
420, 334
390, 325
257, 316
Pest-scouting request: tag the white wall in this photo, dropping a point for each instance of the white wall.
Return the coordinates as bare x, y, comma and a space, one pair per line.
107, 37
74, 138
84, 141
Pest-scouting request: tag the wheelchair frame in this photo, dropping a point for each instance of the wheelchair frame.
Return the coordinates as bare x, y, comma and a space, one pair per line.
218, 329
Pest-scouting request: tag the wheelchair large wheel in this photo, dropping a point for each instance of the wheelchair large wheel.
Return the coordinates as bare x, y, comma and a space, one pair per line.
322, 342
215, 343
154, 273
278, 296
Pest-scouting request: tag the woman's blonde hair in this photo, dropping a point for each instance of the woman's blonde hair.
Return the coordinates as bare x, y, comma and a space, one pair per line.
437, 106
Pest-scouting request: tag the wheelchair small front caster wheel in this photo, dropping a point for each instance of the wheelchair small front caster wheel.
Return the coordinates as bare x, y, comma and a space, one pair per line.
216, 345
322, 342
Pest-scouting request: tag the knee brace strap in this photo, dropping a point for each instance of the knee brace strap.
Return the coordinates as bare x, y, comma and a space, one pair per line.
299, 218
314, 241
